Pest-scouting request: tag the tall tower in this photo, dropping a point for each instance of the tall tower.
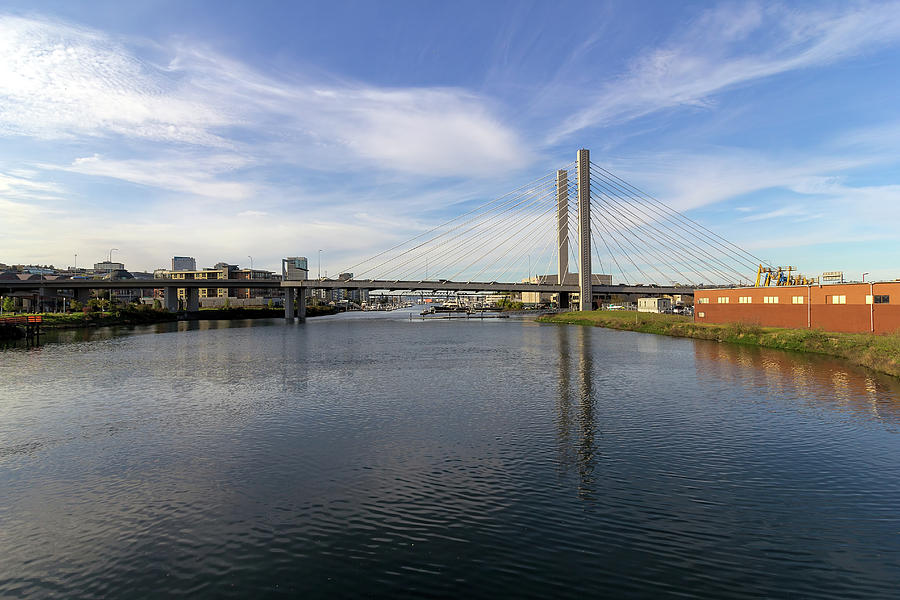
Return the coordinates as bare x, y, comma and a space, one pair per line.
584, 230
562, 224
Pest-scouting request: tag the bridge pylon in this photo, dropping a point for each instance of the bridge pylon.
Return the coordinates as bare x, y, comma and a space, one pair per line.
562, 229
585, 291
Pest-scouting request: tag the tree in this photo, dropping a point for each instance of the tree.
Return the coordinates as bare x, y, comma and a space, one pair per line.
157, 305
9, 304
75, 306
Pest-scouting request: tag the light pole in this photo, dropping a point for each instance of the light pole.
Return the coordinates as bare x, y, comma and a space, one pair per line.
251, 265
864, 276
320, 265
109, 272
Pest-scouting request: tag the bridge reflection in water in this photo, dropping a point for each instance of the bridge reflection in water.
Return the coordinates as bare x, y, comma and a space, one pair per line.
576, 420
816, 383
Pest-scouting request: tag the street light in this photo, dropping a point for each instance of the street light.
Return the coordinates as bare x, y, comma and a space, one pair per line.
251, 265
320, 264
109, 272
864, 276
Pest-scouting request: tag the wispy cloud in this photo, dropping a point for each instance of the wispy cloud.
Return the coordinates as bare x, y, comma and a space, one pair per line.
734, 44
794, 213
191, 175
20, 185
58, 80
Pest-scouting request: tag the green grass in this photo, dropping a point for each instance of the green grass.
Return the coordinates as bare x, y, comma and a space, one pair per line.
877, 352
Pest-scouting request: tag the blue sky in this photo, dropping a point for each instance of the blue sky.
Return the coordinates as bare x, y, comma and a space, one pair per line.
222, 130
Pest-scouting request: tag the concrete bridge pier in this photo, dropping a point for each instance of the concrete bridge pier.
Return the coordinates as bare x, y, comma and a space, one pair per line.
288, 304
193, 299
171, 299
82, 295
301, 304
290, 312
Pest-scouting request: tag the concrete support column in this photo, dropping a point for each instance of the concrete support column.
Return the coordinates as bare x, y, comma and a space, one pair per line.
82, 295
171, 299
193, 299
301, 304
562, 224
584, 230
288, 304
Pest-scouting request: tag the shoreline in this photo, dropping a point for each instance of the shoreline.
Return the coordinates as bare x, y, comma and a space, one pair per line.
877, 352
128, 318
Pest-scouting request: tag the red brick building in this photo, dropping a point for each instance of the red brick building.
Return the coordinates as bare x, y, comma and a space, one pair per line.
848, 307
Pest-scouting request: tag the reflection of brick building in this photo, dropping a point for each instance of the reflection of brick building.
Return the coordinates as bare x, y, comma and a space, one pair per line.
848, 307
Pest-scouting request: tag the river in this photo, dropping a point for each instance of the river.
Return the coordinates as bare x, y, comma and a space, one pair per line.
371, 455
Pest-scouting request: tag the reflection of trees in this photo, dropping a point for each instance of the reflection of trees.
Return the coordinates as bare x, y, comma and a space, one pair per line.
576, 426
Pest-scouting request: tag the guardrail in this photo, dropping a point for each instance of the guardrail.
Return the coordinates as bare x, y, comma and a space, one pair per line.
22, 320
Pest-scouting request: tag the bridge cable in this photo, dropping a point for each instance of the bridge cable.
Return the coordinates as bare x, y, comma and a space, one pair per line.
479, 221
637, 225
616, 226
494, 248
512, 238
609, 193
647, 199
504, 207
462, 248
446, 223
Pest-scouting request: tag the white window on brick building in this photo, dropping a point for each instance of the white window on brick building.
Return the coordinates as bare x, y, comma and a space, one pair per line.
746, 299
770, 299
839, 299
797, 299
702, 300
723, 299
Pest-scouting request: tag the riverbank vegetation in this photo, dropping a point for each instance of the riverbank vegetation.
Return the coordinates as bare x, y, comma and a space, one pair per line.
877, 352
136, 314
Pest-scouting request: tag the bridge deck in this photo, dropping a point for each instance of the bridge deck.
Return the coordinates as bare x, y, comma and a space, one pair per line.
365, 284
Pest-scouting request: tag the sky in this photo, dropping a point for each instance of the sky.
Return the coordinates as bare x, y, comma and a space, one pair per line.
230, 130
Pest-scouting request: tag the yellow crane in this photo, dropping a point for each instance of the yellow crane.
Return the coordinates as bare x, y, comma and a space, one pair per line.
779, 276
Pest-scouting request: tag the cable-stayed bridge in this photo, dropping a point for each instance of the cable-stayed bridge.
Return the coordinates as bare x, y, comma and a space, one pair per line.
572, 232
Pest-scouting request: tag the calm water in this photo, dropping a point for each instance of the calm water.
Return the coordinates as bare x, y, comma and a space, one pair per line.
362, 456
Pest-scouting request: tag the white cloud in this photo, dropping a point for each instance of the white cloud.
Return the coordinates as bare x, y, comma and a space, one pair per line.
191, 175
62, 81
793, 214
20, 184
734, 44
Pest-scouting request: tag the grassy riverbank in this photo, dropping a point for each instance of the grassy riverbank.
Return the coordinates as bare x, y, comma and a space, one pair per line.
877, 352
146, 315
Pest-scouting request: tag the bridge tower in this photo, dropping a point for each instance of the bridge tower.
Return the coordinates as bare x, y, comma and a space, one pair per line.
562, 232
562, 224
585, 292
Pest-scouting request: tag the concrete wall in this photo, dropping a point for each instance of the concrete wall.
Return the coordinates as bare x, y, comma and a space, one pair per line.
239, 302
819, 309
